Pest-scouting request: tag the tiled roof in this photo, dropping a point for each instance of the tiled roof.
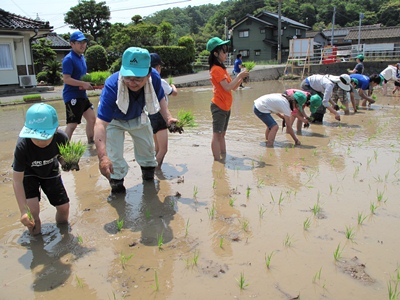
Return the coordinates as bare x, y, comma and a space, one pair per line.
375, 33
9, 21
56, 41
283, 19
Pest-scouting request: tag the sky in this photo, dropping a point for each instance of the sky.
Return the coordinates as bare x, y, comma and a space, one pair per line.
121, 10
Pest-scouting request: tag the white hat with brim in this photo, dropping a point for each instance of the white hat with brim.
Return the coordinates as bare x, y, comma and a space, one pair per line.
336, 79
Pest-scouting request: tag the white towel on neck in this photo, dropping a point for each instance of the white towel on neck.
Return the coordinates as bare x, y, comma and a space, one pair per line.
152, 104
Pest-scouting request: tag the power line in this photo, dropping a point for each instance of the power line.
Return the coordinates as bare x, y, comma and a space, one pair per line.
153, 5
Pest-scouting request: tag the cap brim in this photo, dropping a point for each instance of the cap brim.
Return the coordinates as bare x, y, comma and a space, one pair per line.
343, 86
36, 134
313, 109
137, 72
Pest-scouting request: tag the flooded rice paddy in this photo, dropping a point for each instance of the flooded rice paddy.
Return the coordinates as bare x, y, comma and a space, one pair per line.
320, 221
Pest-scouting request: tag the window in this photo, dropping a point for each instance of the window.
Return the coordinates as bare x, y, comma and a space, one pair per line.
257, 52
244, 33
245, 53
298, 32
262, 30
6, 61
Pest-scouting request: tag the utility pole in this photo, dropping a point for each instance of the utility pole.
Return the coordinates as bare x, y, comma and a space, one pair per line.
333, 24
279, 31
225, 30
359, 31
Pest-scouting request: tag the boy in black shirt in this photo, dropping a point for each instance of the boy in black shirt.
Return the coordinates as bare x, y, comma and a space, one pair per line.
36, 167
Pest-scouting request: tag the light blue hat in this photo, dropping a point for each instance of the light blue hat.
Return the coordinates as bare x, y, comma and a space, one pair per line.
135, 62
41, 122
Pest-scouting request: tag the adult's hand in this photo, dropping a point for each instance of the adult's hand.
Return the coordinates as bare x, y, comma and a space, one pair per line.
106, 167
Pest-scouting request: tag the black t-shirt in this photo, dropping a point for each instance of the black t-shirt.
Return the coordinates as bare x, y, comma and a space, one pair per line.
36, 161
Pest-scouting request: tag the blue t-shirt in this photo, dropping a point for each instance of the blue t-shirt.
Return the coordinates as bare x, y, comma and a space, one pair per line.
108, 109
363, 81
75, 66
236, 65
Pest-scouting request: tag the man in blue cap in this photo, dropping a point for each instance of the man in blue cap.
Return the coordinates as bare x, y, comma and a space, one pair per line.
76, 101
127, 98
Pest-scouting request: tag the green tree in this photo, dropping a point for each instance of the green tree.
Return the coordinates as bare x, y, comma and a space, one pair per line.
389, 13
96, 58
136, 19
53, 69
140, 35
165, 33
89, 16
42, 53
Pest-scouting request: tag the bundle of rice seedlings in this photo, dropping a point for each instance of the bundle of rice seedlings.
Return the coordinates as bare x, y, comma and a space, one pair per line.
185, 119
249, 65
70, 155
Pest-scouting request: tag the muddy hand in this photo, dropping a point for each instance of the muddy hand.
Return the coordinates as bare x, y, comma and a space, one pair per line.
106, 167
27, 222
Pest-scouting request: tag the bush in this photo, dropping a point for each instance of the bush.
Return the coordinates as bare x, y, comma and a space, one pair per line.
41, 76
96, 58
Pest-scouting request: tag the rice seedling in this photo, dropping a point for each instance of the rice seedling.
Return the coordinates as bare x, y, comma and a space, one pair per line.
29, 213
330, 188
71, 153
124, 259
214, 184
317, 276
249, 65
196, 255
260, 183
211, 212
393, 291
337, 254
287, 242
248, 192
372, 208
281, 198
120, 224
232, 201
375, 155
272, 197
369, 159
261, 212
306, 224
185, 119
170, 80
245, 225
378, 178
187, 227
316, 209
356, 171
349, 233
361, 218
242, 281
156, 285
195, 191
147, 213
315, 152
268, 259
79, 239
160, 241
379, 196
221, 242
79, 281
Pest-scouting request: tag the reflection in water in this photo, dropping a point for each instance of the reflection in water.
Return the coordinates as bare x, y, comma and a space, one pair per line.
147, 214
47, 253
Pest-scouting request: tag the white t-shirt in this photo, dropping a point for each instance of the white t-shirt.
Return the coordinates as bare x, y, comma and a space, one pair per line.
389, 73
167, 88
273, 103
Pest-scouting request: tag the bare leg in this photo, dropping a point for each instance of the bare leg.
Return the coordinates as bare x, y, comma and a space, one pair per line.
90, 120
62, 213
218, 146
272, 135
161, 146
69, 130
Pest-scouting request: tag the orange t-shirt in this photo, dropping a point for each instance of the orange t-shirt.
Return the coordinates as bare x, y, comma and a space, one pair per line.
222, 98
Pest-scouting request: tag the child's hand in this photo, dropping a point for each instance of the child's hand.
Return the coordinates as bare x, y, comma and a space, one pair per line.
243, 74
30, 223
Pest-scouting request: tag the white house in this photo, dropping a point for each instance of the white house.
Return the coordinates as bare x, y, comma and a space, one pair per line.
16, 35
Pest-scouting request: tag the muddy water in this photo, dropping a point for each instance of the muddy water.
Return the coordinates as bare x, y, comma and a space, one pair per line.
220, 221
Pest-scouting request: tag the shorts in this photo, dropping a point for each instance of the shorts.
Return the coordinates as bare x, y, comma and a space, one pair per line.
265, 117
339, 94
396, 83
75, 109
53, 188
220, 118
157, 122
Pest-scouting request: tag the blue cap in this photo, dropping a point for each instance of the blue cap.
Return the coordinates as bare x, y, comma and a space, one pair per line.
77, 36
155, 60
135, 62
41, 122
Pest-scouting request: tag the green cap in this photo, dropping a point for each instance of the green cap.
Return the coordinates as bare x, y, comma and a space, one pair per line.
355, 80
215, 42
301, 99
360, 57
315, 102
